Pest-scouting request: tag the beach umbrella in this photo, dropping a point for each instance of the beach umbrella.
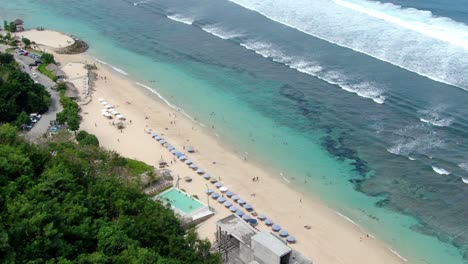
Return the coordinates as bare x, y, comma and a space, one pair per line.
121, 117
108, 106
240, 201
114, 112
111, 109
227, 204
173, 151
214, 195
206, 176
276, 227
253, 222
183, 157
268, 221
188, 178
188, 162
106, 114
283, 233
200, 171
233, 208
170, 147
221, 199
223, 189
235, 197
209, 191
261, 217
291, 239
190, 150
178, 154
193, 166
104, 102
162, 142
154, 134
240, 213
246, 217
230, 194
218, 185
247, 207
100, 99
157, 137
213, 180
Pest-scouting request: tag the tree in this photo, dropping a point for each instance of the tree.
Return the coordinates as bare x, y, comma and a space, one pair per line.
23, 119
47, 58
73, 122
6, 58
12, 27
27, 42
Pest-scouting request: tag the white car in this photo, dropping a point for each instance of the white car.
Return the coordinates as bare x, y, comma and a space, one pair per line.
34, 75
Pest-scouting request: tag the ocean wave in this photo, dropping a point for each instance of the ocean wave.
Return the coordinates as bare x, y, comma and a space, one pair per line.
412, 39
463, 166
362, 89
415, 139
220, 32
112, 66
433, 116
437, 122
440, 171
181, 19
465, 180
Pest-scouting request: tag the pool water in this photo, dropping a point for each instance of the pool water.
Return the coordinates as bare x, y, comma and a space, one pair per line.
180, 200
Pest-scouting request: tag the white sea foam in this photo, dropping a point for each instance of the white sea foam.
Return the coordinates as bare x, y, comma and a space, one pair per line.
112, 66
465, 180
415, 139
362, 89
438, 122
219, 32
410, 158
397, 254
435, 47
347, 218
440, 171
181, 19
463, 166
434, 117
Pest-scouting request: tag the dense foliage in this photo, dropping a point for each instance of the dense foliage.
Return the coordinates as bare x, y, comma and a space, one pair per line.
69, 114
84, 138
63, 203
47, 58
18, 93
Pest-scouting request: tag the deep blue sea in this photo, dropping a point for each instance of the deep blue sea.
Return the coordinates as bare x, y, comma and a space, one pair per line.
367, 101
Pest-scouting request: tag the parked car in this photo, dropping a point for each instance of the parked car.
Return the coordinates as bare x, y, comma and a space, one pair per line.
34, 75
25, 53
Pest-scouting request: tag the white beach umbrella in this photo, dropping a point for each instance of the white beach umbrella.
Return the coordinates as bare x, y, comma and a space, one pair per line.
121, 117
223, 189
101, 99
110, 109
108, 106
104, 110
106, 114
104, 102
115, 112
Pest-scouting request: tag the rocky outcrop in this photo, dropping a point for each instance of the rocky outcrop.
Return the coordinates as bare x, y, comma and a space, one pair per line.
78, 47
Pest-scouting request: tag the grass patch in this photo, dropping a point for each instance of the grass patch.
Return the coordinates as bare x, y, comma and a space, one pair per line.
38, 52
43, 69
137, 167
10, 50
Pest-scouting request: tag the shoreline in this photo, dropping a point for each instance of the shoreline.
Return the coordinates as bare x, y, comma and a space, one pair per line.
322, 244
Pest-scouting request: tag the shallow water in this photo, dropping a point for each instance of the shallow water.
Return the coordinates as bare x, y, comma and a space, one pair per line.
365, 130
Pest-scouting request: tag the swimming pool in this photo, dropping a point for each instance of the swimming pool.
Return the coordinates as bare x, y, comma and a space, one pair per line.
180, 200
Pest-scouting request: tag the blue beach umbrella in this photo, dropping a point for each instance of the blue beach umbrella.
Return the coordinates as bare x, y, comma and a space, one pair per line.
154, 134
188, 162
291, 239
240, 213
229, 194
276, 228
193, 166
213, 180
268, 222
162, 142
240, 201
214, 195
190, 150
206, 176
246, 217
233, 208
157, 137
170, 147
247, 207
221, 199
218, 185
253, 222
174, 151
227, 204
178, 154
209, 191
183, 157
235, 197
200, 171
283, 233
261, 217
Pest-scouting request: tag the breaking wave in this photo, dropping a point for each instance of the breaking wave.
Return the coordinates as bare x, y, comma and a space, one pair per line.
440, 171
433, 116
181, 19
220, 32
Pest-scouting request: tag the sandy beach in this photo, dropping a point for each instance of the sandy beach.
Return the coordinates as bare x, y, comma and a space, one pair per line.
331, 238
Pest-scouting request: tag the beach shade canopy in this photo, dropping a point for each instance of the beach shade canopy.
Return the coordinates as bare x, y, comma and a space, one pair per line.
193, 166
291, 239
233, 208
188, 162
200, 171
162, 142
190, 150
214, 195
121, 117
246, 217
240, 213
218, 185
188, 178
221, 199
104, 102
108, 106
235, 197
170, 148
268, 221
283, 233
178, 154
213, 180
261, 217
209, 191
276, 228
173, 151
227, 204
154, 134
114, 112
223, 189
248, 207
157, 137
230, 194
240, 201
100, 99
206, 176
183, 157
253, 221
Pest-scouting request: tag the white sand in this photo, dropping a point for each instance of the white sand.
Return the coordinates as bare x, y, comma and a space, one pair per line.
331, 238
78, 75
47, 38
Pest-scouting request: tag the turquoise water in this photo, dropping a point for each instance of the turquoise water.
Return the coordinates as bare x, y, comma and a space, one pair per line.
304, 124
180, 200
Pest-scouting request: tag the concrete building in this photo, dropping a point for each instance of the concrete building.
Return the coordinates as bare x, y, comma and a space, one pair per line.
240, 243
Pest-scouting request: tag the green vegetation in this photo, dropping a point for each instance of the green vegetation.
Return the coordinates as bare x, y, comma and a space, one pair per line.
27, 42
84, 138
43, 69
61, 87
137, 167
19, 95
69, 114
9, 26
47, 58
71, 203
